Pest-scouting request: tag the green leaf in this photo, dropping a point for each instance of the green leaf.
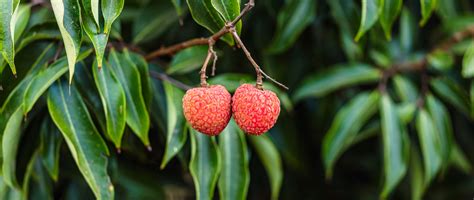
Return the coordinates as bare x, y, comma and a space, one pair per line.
408, 30
153, 21
20, 19
406, 112
430, 145
427, 8
205, 164
416, 175
10, 141
471, 95
235, 176
294, 17
188, 60
345, 126
91, 9
111, 10
142, 66
371, 10
441, 60
452, 93
229, 10
51, 142
67, 13
176, 129
129, 77
395, 147
447, 9
70, 115
206, 15
44, 78
46, 31
98, 39
271, 160
442, 123
178, 4
339, 76
468, 62
391, 9
405, 89
113, 100
7, 45
459, 159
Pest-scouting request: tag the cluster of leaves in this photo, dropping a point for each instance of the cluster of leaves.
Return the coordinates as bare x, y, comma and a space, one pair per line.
407, 112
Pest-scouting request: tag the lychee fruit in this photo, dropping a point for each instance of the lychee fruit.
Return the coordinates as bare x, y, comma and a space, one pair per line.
255, 110
207, 109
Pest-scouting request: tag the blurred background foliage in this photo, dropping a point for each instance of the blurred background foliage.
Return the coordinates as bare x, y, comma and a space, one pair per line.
380, 102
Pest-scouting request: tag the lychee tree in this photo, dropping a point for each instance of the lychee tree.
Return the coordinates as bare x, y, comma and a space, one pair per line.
105, 99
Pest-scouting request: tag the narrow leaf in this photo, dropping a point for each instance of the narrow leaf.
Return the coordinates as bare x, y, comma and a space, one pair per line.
10, 141
113, 100
67, 13
111, 10
395, 147
391, 9
441, 60
371, 10
51, 142
7, 36
339, 76
91, 9
405, 89
468, 62
98, 39
188, 60
20, 20
154, 19
206, 15
452, 93
235, 176
205, 164
70, 115
229, 10
427, 8
430, 147
271, 160
294, 17
142, 66
176, 130
459, 159
416, 175
442, 123
344, 128
129, 77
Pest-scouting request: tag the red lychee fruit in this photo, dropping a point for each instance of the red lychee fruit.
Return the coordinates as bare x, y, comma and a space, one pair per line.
255, 110
207, 109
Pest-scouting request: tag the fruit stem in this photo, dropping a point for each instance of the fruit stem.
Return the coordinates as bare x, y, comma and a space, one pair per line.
210, 53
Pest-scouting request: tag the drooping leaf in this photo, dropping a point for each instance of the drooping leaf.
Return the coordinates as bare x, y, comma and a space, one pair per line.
405, 89
430, 145
91, 9
142, 66
205, 164
371, 10
129, 77
406, 112
294, 17
427, 8
67, 13
20, 20
235, 176
188, 60
229, 10
178, 4
447, 9
176, 129
337, 77
391, 9
153, 21
206, 15
111, 10
44, 31
7, 36
468, 62
113, 99
44, 78
395, 146
271, 160
416, 175
459, 159
452, 93
344, 128
441, 60
92, 30
90, 152
10, 141
408, 30
442, 122
51, 142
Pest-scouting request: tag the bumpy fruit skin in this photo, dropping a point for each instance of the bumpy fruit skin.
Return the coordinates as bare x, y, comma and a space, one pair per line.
255, 110
207, 109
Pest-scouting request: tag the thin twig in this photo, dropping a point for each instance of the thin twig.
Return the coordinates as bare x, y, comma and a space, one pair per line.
164, 77
206, 62
200, 41
258, 69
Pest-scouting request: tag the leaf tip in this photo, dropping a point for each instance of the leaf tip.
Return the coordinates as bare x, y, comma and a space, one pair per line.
148, 148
